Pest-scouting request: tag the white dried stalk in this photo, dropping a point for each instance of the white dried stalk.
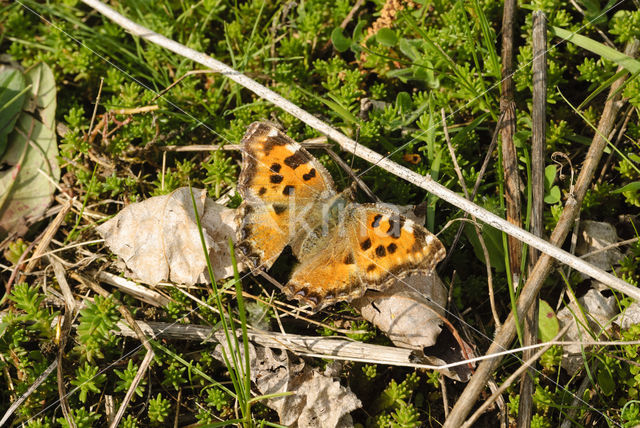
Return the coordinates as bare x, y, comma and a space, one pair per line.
349, 145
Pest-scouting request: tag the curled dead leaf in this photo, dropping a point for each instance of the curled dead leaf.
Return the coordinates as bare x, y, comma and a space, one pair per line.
316, 400
158, 239
410, 312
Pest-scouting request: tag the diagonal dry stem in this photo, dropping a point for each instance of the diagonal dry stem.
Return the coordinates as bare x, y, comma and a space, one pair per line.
542, 268
424, 182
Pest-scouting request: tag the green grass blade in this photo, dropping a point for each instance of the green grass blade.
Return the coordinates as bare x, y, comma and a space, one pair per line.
630, 64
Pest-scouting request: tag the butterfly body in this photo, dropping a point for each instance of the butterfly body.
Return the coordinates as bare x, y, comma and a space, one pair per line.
343, 247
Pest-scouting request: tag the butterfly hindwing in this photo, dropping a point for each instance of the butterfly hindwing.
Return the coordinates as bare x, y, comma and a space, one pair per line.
371, 247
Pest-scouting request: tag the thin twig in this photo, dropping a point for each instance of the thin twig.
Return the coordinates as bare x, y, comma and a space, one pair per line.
334, 348
14, 406
508, 130
46, 239
469, 422
538, 143
542, 268
424, 182
485, 251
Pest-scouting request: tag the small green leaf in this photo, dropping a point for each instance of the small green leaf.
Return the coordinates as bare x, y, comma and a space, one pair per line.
340, 42
404, 103
409, 48
605, 381
553, 197
387, 37
357, 32
13, 93
549, 176
631, 187
634, 157
548, 326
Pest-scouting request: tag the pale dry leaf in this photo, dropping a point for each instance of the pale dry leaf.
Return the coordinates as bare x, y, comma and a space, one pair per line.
594, 236
599, 311
410, 313
631, 316
403, 311
158, 239
316, 400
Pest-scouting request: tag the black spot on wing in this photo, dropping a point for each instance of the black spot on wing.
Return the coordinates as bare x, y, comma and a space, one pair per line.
380, 251
366, 244
279, 209
288, 190
296, 159
262, 191
391, 248
308, 176
244, 232
348, 260
376, 220
371, 268
275, 167
276, 178
420, 240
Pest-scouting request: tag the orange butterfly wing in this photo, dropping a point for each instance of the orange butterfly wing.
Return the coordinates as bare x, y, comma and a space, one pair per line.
371, 247
279, 182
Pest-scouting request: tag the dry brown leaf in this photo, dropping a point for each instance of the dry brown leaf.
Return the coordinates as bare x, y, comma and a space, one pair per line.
158, 239
317, 400
599, 311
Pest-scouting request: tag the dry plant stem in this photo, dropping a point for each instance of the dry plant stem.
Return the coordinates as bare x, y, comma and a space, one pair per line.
178, 400
508, 130
95, 110
627, 116
144, 294
498, 393
424, 182
144, 365
538, 143
542, 268
334, 348
485, 251
445, 400
46, 239
67, 321
608, 247
230, 147
539, 127
61, 277
14, 406
476, 186
109, 408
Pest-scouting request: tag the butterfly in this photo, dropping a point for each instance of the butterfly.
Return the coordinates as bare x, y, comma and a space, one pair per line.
343, 248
